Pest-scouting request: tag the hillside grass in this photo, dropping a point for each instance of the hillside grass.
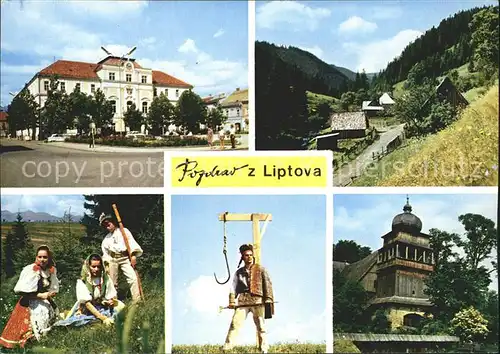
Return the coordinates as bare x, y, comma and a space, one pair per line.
277, 348
43, 232
399, 89
463, 154
345, 346
145, 331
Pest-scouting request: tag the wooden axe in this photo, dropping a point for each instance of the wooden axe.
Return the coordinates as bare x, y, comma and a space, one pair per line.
124, 235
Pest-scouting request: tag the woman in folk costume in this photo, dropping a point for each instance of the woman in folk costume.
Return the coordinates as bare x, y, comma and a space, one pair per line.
95, 294
36, 310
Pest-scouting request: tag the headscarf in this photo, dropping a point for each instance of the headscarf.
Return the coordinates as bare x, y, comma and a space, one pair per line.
86, 275
51, 264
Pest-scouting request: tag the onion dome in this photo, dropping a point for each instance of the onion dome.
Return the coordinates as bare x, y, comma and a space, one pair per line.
407, 221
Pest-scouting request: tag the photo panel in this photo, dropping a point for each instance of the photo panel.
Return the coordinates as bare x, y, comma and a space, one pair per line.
287, 273
415, 272
90, 101
83, 272
403, 93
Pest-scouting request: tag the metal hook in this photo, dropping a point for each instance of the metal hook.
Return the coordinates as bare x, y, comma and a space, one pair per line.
228, 271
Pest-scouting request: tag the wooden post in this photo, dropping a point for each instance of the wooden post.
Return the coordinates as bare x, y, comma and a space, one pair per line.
255, 218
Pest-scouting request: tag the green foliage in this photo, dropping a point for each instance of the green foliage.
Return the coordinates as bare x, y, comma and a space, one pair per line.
80, 108
480, 238
441, 115
160, 114
347, 100
380, 323
276, 348
191, 111
23, 113
18, 249
124, 141
56, 115
470, 325
133, 118
215, 117
349, 251
349, 304
490, 311
485, 27
344, 346
431, 326
101, 109
412, 106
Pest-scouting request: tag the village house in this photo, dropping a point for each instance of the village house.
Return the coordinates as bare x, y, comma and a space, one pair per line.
386, 101
446, 90
212, 101
370, 109
122, 80
235, 108
4, 125
349, 125
393, 276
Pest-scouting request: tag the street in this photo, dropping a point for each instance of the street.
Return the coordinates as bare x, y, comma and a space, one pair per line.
34, 164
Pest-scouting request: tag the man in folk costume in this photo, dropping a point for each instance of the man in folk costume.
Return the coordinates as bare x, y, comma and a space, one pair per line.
253, 290
36, 310
115, 255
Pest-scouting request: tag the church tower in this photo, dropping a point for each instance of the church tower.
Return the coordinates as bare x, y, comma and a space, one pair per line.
403, 262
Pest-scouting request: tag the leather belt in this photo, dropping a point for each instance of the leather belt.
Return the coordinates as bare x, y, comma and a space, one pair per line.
118, 254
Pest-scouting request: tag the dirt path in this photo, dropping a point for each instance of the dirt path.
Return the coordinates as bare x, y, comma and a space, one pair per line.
344, 176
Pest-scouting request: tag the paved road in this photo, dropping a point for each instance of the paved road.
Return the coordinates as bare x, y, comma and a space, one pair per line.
344, 176
33, 164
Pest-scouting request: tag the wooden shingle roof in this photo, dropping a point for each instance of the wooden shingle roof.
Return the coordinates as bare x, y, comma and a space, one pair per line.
348, 121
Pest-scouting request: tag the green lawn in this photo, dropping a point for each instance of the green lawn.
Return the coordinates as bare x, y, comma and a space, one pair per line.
277, 348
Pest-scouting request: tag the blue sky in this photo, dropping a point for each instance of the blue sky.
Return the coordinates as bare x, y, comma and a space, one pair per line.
365, 218
293, 251
55, 205
202, 43
353, 34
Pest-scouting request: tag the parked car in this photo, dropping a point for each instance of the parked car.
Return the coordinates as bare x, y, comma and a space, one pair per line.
56, 137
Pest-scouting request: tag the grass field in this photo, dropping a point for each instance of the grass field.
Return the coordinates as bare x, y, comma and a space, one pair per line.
277, 348
463, 154
42, 232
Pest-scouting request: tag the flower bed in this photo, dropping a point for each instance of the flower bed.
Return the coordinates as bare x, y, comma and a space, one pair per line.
122, 141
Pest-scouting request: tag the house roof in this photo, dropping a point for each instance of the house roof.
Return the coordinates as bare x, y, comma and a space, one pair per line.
385, 99
162, 79
82, 70
71, 69
3, 116
365, 104
356, 271
404, 300
348, 121
236, 98
115, 61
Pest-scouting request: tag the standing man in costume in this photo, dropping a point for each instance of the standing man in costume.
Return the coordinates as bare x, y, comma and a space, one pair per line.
253, 290
115, 255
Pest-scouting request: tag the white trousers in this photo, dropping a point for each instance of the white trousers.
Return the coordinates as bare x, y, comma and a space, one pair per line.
239, 317
123, 264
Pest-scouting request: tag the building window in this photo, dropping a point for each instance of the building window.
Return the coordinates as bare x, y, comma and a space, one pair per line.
46, 85
112, 76
177, 93
166, 92
129, 104
77, 87
63, 86
113, 106
145, 107
144, 79
128, 77
238, 112
92, 88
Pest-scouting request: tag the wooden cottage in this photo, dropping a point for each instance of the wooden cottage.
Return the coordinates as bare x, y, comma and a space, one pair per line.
349, 125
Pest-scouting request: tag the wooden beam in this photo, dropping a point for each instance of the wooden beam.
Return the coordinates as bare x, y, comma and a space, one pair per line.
245, 217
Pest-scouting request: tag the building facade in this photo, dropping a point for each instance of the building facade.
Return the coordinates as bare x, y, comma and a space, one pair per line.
235, 108
123, 81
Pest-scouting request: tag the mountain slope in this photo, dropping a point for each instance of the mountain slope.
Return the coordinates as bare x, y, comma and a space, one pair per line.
31, 216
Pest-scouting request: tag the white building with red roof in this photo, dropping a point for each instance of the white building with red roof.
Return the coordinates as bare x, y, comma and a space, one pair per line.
123, 81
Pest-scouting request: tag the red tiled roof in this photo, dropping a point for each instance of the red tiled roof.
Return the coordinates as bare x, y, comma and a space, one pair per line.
116, 62
72, 69
3, 116
160, 78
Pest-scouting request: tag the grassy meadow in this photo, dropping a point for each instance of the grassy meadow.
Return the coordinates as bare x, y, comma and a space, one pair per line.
42, 232
277, 348
141, 331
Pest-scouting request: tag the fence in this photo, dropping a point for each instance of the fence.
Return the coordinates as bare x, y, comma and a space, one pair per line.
391, 146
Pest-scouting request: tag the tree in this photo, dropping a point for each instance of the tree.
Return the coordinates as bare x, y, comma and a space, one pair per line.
216, 117
485, 28
56, 116
23, 113
416, 75
191, 111
161, 113
481, 238
441, 115
80, 109
101, 110
412, 106
347, 99
133, 118
349, 251
380, 323
18, 248
470, 325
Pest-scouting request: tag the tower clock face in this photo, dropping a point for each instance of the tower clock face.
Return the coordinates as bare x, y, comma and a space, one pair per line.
129, 66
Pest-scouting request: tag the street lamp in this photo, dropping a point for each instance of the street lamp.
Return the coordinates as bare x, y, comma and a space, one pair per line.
120, 75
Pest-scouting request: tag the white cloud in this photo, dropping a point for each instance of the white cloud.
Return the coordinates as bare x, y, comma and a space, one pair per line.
374, 56
290, 15
205, 296
357, 25
188, 46
219, 33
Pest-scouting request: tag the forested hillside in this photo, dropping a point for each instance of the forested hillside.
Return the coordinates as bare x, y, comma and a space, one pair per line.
438, 50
